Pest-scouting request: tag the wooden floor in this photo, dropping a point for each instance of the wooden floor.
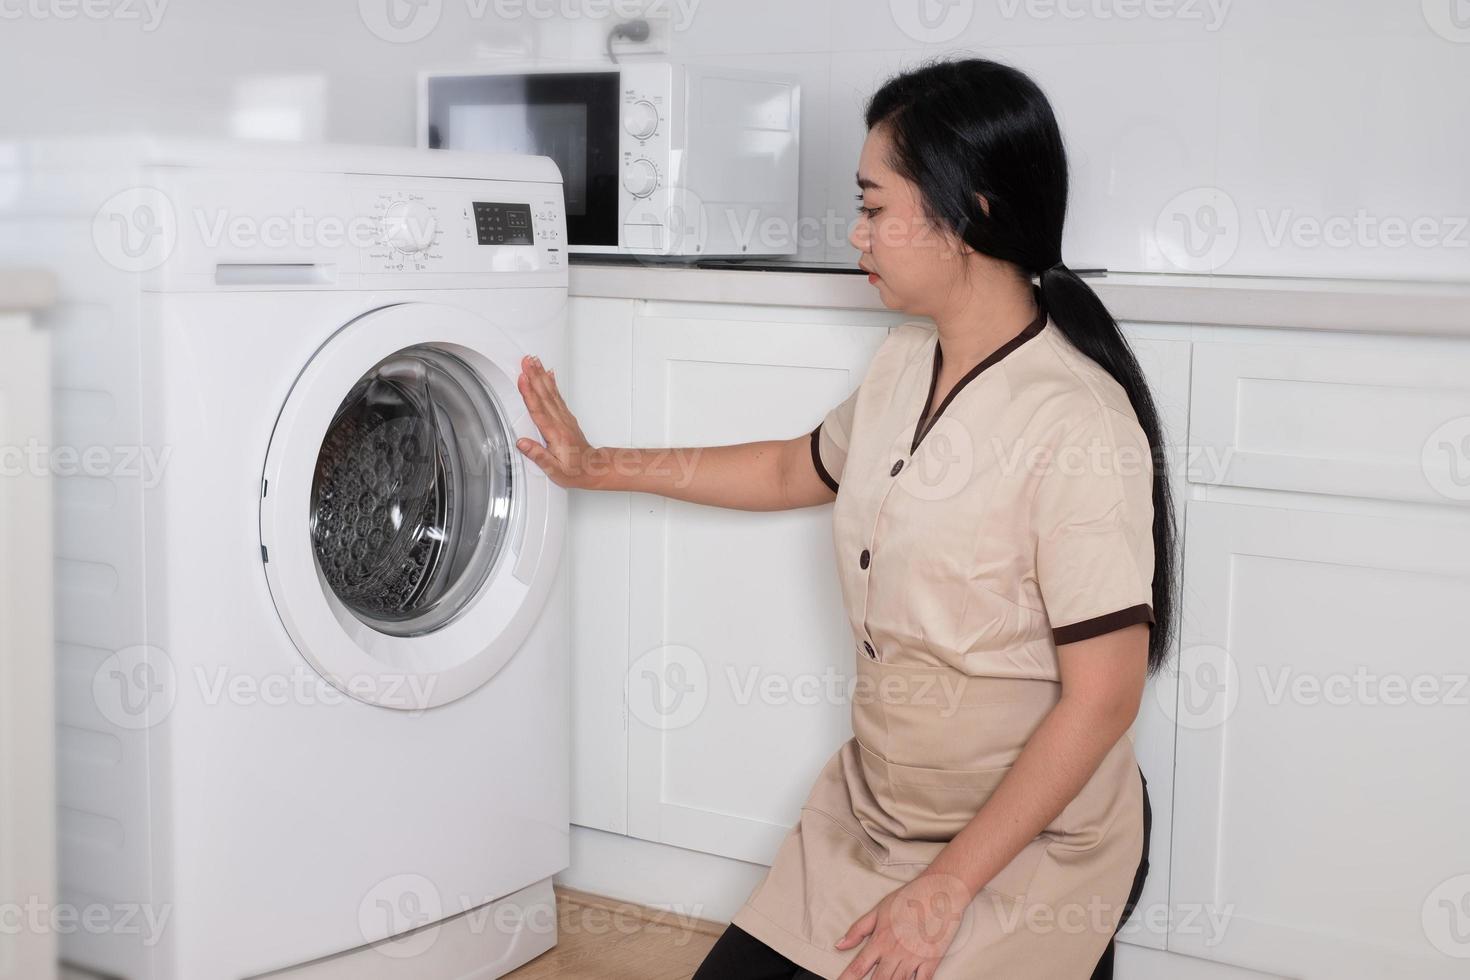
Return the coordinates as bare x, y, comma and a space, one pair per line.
605, 939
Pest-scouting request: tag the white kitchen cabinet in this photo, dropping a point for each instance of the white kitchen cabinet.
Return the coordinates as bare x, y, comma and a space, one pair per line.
739, 650
1320, 793
1165, 364
27, 755
1378, 417
597, 385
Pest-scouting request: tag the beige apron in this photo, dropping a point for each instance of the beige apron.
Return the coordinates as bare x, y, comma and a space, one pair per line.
961, 572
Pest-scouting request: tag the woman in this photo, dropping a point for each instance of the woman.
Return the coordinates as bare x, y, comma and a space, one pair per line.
1004, 544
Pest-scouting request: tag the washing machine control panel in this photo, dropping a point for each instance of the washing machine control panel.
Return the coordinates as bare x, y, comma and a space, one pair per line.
503, 224
446, 226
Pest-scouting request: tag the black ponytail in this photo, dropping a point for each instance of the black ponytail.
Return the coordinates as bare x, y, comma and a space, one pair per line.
963, 129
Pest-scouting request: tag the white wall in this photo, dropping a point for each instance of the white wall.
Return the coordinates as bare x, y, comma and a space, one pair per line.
1295, 111
1285, 137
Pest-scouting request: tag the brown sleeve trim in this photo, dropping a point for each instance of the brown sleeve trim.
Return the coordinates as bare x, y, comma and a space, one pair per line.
817, 461
1106, 623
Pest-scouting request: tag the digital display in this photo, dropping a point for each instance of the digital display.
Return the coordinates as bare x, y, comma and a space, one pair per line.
503, 224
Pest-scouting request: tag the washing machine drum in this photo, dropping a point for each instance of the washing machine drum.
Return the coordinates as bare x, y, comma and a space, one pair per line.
408, 546
410, 502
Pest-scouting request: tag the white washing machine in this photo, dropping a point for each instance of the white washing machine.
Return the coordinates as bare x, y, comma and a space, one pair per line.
312, 614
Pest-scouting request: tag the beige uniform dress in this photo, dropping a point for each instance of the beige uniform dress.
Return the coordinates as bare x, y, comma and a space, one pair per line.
1017, 516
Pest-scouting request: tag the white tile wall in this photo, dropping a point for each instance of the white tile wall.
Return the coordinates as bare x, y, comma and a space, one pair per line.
1192, 136
1304, 111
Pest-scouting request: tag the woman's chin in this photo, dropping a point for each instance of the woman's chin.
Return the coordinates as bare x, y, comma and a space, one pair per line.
887, 297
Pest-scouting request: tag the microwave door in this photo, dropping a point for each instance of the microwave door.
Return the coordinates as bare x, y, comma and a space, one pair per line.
572, 117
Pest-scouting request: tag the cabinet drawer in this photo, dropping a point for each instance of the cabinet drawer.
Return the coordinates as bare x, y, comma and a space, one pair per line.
1356, 420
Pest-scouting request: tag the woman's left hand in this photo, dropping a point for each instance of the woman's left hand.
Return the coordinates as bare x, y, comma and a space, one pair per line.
909, 931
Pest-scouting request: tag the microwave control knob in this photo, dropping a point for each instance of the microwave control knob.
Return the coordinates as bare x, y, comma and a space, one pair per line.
408, 226
641, 119
640, 178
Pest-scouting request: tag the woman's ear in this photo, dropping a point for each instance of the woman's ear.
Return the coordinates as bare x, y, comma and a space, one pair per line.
984, 204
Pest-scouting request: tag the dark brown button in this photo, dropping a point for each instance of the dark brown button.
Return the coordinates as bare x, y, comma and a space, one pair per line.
896, 467
869, 647
864, 558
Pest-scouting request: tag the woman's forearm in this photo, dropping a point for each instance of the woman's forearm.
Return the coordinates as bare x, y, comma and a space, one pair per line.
744, 476
1052, 768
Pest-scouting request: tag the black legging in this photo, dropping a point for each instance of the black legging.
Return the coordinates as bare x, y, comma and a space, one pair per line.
737, 955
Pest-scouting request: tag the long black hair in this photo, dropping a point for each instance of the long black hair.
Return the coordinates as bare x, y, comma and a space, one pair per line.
968, 127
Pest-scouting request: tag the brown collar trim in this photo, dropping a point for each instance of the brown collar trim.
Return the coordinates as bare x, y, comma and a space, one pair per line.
926, 423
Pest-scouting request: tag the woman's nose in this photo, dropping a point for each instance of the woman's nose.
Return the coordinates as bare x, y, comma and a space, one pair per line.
858, 235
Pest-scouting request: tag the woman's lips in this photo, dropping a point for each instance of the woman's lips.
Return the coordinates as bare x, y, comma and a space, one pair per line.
872, 277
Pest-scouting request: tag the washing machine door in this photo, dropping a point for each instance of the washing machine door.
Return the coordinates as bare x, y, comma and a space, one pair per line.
408, 545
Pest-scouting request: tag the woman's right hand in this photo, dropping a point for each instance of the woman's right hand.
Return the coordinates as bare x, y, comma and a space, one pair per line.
567, 458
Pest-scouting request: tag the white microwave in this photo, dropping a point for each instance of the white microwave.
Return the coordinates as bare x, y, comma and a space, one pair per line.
656, 158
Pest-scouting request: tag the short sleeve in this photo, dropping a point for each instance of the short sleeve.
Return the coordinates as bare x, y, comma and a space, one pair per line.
829, 440
1093, 517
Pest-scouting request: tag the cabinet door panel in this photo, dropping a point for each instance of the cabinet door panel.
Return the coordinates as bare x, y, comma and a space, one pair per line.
739, 651
1368, 421
1320, 790
596, 388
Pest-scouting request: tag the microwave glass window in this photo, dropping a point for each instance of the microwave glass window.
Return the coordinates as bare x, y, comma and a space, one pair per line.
572, 117
556, 131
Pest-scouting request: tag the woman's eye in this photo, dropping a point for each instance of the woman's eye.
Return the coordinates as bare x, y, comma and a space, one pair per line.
864, 210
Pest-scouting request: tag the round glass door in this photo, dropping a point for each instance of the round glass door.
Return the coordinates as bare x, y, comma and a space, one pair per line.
409, 550
412, 492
